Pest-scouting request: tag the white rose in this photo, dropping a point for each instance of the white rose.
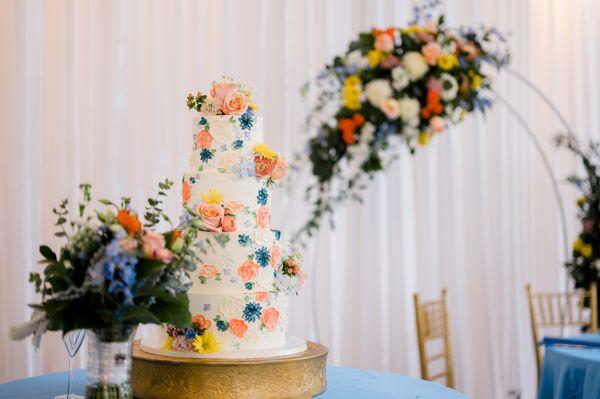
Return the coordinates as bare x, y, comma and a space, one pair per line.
357, 60
400, 78
415, 64
232, 308
408, 110
222, 130
378, 90
449, 87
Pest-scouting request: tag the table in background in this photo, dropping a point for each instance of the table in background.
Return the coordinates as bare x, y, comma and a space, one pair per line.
342, 383
570, 372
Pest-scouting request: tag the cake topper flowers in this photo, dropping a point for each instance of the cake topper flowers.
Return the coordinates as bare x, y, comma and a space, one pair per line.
227, 97
392, 85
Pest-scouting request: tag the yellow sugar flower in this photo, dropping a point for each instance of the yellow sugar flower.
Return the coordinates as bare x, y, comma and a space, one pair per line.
578, 245
168, 343
424, 138
206, 343
264, 151
375, 57
586, 250
447, 61
475, 80
213, 197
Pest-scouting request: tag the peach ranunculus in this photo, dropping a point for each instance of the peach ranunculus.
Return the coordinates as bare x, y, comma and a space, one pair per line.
436, 124
281, 168
238, 327
235, 104
248, 270
153, 247
212, 214
431, 52
384, 42
202, 322
390, 108
129, 221
203, 139
263, 167
275, 256
228, 224
208, 271
220, 91
186, 192
263, 218
262, 296
234, 207
270, 318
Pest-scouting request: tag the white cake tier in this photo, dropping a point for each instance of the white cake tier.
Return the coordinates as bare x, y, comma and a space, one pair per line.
236, 263
250, 197
224, 142
250, 321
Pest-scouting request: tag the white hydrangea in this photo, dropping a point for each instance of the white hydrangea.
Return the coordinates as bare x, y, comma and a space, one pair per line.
408, 109
400, 78
449, 87
415, 64
378, 90
357, 60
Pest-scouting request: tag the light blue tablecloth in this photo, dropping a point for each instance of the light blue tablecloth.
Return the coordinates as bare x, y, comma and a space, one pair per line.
342, 383
571, 373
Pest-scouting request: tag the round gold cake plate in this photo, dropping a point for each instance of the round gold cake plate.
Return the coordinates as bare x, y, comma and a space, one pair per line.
301, 375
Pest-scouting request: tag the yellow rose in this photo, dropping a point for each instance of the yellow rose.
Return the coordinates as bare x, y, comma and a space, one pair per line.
352, 81
375, 57
577, 245
447, 61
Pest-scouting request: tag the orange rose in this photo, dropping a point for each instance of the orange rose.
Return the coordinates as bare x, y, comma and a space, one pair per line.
263, 167
261, 296
270, 318
208, 271
238, 327
203, 139
280, 169
203, 322
275, 256
186, 192
234, 207
212, 214
129, 221
248, 270
228, 224
263, 218
235, 104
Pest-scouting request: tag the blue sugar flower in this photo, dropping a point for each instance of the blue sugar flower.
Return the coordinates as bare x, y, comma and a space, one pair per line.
238, 144
222, 325
277, 234
205, 155
246, 120
252, 312
262, 196
262, 256
244, 239
248, 285
190, 333
203, 121
247, 168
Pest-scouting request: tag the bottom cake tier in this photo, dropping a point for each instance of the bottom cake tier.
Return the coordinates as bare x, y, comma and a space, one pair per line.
230, 324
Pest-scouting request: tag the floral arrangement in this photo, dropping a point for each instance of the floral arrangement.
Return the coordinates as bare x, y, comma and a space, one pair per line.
268, 164
584, 265
193, 339
395, 83
289, 275
113, 272
224, 98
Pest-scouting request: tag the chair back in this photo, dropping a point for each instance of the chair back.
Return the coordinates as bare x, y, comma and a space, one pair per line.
433, 325
560, 310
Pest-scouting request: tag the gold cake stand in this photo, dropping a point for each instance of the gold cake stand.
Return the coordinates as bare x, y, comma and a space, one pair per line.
163, 377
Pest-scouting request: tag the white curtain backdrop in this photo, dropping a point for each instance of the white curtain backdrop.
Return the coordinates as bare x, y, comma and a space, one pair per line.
94, 91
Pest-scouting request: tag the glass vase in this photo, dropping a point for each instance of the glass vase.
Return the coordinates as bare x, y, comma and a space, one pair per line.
109, 363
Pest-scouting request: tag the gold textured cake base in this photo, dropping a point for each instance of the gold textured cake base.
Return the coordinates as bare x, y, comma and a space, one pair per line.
163, 377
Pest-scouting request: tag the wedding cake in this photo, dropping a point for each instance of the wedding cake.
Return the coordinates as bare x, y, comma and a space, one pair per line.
239, 296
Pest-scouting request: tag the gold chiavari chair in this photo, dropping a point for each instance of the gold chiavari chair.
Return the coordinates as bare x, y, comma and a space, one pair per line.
433, 325
560, 310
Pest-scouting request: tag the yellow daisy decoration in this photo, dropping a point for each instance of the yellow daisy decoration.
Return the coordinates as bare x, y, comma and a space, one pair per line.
213, 197
168, 343
264, 151
206, 343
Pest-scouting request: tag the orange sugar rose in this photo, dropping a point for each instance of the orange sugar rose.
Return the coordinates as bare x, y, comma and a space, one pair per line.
203, 139
202, 322
248, 270
129, 221
186, 192
238, 327
270, 318
263, 167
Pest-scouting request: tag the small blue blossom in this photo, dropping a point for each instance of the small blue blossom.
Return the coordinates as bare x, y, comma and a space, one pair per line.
244, 239
205, 155
190, 333
222, 325
262, 256
277, 234
248, 285
203, 121
247, 168
252, 312
262, 196
238, 144
246, 120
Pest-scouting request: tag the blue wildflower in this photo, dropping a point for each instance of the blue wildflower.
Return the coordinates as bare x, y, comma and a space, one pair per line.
247, 168
128, 275
262, 256
244, 239
262, 196
205, 155
238, 144
277, 234
222, 325
203, 121
190, 333
246, 121
252, 312
248, 285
